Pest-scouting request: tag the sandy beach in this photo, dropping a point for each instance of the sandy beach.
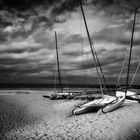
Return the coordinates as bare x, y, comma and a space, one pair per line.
30, 116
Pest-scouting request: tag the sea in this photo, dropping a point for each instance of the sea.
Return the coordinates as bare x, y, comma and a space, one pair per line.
49, 90
42, 90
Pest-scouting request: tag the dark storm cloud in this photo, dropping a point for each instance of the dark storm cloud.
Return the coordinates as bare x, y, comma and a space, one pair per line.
23, 4
25, 27
24, 18
108, 5
67, 5
15, 69
59, 7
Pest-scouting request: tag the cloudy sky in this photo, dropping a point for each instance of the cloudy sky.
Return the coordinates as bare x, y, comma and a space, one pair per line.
27, 39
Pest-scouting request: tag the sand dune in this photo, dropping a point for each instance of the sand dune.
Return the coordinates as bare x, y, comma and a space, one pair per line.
31, 116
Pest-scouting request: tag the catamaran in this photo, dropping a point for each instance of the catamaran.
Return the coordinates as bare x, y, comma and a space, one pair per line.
130, 93
120, 100
107, 103
59, 94
97, 103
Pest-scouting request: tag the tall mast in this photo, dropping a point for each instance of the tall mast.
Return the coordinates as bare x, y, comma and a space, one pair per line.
91, 48
131, 44
59, 75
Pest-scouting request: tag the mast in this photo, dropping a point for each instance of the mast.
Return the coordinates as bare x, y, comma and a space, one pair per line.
59, 75
130, 52
93, 54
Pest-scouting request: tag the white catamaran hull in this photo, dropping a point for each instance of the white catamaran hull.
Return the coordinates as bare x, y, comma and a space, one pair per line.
131, 96
64, 93
93, 106
128, 93
114, 105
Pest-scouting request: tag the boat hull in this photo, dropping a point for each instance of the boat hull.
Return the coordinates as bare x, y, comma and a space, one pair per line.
82, 110
130, 95
61, 95
114, 105
93, 106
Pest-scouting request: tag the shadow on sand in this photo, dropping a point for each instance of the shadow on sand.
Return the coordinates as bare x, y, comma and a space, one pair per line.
14, 115
129, 132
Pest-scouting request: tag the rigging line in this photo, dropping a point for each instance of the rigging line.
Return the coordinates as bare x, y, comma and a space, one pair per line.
135, 74
59, 75
55, 82
65, 81
85, 80
100, 67
120, 74
130, 52
92, 49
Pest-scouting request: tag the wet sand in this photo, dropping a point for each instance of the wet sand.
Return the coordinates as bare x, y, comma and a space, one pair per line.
30, 116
